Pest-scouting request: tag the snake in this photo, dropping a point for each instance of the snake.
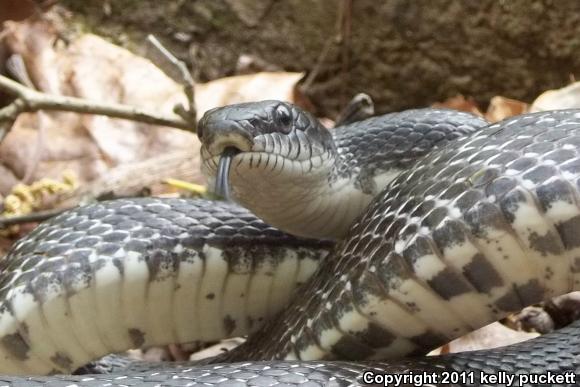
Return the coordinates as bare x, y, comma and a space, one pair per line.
343, 254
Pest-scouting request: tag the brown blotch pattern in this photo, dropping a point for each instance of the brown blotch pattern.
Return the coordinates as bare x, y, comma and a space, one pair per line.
569, 233
61, 360
545, 244
481, 273
448, 284
16, 345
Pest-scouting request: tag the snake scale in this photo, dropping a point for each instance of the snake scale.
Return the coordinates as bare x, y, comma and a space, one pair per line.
401, 232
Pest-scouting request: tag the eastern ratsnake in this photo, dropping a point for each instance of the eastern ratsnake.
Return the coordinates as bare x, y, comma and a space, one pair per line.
461, 236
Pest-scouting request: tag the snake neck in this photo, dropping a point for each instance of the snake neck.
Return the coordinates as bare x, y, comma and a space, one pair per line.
319, 198
312, 182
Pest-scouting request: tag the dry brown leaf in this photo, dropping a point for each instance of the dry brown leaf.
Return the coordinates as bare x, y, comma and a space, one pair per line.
501, 108
92, 68
565, 98
246, 88
459, 102
490, 336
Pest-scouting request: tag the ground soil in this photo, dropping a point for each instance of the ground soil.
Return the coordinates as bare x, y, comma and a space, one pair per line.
403, 53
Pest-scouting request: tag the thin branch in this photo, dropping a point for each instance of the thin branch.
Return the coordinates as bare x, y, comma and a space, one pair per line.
345, 29
8, 115
177, 70
131, 179
16, 67
312, 75
340, 38
30, 218
30, 101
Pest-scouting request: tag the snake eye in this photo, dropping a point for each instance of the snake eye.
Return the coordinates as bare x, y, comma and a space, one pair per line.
283, 115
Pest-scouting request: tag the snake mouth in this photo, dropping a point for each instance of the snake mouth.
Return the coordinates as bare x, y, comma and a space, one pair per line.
229, 172
222, 185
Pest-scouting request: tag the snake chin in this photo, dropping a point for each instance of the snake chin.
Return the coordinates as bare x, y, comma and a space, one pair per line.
270, 173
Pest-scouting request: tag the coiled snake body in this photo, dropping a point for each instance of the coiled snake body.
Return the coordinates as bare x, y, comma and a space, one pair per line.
463, 234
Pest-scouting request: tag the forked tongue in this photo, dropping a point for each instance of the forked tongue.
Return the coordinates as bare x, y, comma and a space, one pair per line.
222, 185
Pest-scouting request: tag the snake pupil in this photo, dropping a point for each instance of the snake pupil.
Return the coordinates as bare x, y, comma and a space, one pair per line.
222, 187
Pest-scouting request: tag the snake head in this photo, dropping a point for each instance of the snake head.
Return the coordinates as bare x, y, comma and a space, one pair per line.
259, 140
273, 127
266, 155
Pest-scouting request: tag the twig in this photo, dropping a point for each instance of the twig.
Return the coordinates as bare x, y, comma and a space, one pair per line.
17, 68
30, 101
344, 33
8, 115
312, 75
176, 70
340, 38
30, 218
130, 179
